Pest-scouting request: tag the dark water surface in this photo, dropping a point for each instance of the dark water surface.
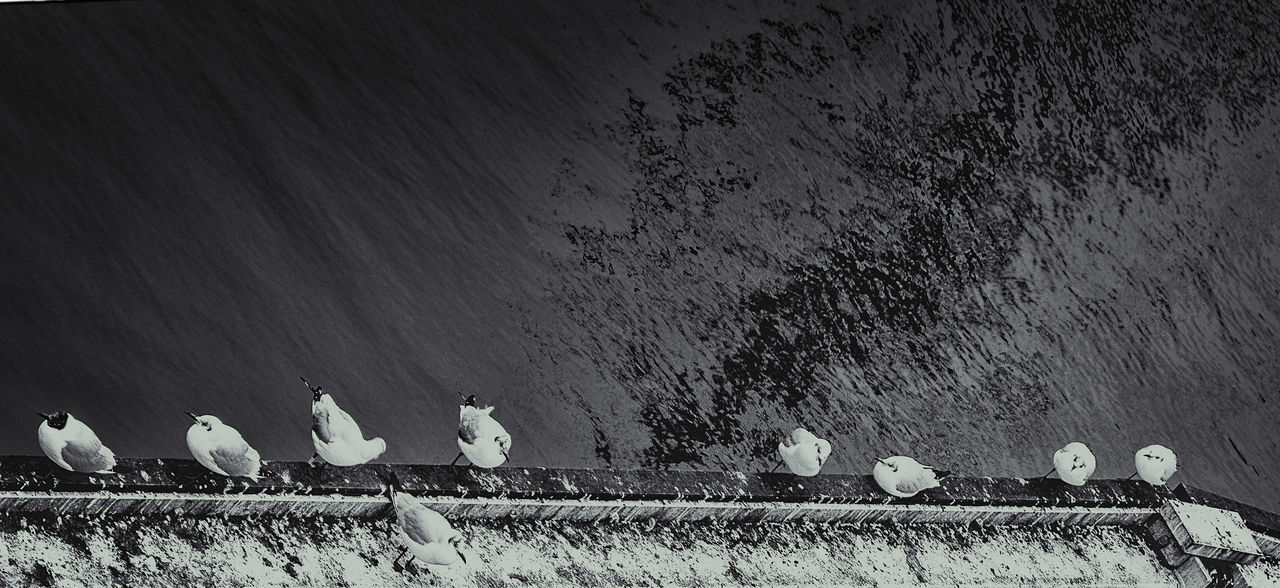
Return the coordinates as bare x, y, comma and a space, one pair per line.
653, 235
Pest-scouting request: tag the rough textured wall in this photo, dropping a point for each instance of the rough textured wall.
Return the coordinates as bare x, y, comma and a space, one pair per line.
176, 550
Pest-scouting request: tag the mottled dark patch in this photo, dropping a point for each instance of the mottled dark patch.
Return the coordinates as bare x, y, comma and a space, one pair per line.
41, 575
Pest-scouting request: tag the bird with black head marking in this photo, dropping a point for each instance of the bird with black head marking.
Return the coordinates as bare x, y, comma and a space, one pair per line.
1155, 464
905, 477
424, 532
73, 445
803, 452
480, 437
336, 436
1074, 463
220, 448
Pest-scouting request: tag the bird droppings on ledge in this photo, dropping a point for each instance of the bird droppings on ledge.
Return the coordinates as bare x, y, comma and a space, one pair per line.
166, 550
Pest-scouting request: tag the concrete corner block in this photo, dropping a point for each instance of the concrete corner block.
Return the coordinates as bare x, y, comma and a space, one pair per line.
1159, 531
1250, 576
1193, 574
1270, 546
1173, 555
1205, 531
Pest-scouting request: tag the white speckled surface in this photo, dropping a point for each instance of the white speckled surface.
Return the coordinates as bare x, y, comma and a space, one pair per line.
286, 551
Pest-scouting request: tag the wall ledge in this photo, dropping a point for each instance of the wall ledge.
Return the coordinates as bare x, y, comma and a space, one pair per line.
35, 485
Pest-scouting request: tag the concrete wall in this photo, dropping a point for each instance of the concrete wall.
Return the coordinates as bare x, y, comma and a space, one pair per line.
169, 522
268, 550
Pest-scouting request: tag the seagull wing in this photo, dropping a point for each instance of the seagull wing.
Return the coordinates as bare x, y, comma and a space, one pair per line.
320, 422
913, 484
54, 445
489, 428
345, 428
85, 454
234, 456
788, 452
423, 525
469, 425
504, 442
824, 449
467, 432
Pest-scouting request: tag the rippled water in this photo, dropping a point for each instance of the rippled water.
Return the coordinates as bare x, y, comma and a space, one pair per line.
654, 235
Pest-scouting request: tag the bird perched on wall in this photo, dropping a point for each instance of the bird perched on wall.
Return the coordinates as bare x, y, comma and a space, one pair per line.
481, 438
73, 445
904, 477
423, 531
336, 436
1155, 464
1074, 463
803, 452
221, 448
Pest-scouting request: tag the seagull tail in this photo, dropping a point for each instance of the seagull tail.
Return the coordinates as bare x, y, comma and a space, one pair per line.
119, 469
940, 474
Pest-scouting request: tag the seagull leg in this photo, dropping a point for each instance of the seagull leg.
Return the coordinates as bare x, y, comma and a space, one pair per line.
1131, 476
315, 461
1046, 475
455, 460
395, 565
775, 468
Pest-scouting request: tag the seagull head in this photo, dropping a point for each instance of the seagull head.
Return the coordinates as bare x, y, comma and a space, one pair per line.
317, 393
392, 482
454, 541
57, 420
207, 421
470, 401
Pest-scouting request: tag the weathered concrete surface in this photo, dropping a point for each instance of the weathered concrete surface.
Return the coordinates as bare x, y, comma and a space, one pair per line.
1209, 532
1263, 573
1255, 518
173, 550
171, 522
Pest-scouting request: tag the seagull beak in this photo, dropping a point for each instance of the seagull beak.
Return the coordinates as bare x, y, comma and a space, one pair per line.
193, 417
43, 415
460, 554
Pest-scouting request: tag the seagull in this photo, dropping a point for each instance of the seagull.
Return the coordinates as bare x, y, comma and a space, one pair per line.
221, 448
424, 532
481, 439
73, 445
1155, 463
904, 477
336, 435
1074, 463
803, 452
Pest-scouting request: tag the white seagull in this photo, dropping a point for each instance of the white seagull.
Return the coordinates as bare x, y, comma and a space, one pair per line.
1074, 463
425, 532
336, 436
221, 448
904, 477
481, 438
73, 445
803, 452
1155, 464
